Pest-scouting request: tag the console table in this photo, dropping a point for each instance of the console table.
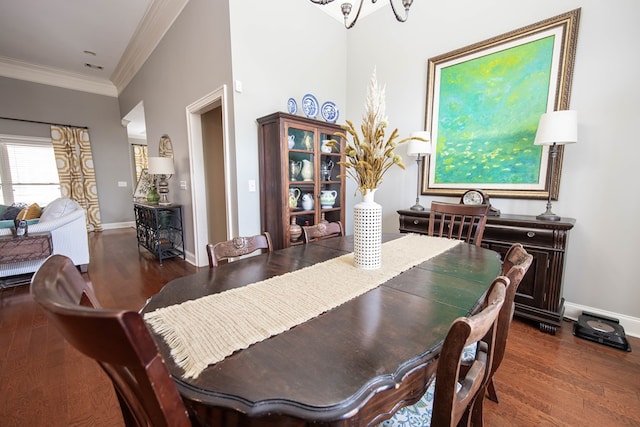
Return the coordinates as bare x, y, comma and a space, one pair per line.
539, 297
159, 229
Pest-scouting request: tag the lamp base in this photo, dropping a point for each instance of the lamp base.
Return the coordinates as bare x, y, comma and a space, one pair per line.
163, 189
548, 215
417, 207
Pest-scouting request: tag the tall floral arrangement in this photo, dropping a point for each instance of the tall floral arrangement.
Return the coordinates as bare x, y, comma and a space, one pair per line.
367, 158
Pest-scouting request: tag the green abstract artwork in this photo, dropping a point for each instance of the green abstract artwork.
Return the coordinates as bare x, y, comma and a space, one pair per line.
488, 114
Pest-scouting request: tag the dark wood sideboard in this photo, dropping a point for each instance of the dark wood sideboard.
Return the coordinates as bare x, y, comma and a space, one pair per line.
539, 295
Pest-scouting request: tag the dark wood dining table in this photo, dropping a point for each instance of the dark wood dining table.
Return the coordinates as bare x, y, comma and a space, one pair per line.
351, 366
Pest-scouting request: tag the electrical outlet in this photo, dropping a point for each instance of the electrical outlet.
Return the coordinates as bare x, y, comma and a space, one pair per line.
122, 183
183, 185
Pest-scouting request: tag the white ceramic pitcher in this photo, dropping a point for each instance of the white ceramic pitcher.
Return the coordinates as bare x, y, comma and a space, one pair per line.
307, 170
328, 198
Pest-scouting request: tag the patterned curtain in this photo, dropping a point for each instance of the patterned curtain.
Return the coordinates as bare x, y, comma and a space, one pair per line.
140, 158
72, 149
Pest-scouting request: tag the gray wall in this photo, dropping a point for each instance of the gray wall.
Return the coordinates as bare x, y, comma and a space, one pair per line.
277, 57
33, 101
597, 172
192, 60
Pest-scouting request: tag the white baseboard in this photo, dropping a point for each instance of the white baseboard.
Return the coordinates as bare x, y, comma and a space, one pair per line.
191, 258
630, 324
114, 225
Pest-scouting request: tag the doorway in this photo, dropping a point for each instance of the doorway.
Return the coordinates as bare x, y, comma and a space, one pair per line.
213, 150
134, 121
210, 162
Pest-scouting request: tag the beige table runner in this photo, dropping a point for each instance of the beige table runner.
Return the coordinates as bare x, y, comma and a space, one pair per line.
206, 330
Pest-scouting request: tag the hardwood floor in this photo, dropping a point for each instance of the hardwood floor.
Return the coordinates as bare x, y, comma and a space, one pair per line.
544, 380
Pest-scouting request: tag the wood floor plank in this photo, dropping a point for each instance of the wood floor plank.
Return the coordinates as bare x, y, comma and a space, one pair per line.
544, 380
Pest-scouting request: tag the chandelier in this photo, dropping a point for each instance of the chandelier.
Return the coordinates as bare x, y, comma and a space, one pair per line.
346, 10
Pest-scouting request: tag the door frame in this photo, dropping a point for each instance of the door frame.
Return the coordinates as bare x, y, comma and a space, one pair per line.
217, 98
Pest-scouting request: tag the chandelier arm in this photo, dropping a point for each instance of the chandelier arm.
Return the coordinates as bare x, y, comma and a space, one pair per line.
406, 4
354, 19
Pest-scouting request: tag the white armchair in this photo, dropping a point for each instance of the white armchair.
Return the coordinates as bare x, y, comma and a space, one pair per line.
68, 234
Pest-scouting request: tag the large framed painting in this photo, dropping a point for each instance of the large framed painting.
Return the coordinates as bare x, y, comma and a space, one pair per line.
484, 102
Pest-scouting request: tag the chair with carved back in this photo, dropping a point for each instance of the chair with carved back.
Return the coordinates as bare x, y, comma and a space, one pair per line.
238, 246
458, 221
455, 396
324, 230
117, 339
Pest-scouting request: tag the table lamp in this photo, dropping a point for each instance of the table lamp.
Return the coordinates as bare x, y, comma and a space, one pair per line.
555, 128
419, 145
162, 166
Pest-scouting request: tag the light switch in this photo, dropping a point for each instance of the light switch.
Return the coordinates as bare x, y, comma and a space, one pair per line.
239, 86
252, 185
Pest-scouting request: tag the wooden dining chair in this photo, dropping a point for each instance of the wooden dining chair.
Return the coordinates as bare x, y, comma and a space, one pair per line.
514, 266
238, 246
118, 340
458, 221
454, 397
324, 230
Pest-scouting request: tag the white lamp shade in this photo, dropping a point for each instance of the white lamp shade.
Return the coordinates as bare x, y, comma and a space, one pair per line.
415, 147
161, 166
560, 127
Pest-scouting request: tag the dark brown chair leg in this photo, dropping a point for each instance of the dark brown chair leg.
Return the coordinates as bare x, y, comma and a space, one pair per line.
492, 394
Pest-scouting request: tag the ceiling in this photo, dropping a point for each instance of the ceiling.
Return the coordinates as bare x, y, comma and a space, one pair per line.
51, 42
57, 34
63, 36
93, 46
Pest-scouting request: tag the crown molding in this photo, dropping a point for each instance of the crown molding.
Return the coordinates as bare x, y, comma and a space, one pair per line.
156, 22
21, 70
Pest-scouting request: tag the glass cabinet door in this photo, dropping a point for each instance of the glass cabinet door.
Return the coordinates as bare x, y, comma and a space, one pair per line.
302, 174
330, 186
314, 189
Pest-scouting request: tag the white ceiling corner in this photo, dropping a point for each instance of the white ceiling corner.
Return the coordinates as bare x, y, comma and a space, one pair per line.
39, 44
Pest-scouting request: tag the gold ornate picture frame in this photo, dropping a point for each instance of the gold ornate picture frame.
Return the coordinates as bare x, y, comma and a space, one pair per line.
484, 102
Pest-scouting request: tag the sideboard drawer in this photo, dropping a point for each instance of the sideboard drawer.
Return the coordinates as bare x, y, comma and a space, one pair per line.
526, 236
414, 224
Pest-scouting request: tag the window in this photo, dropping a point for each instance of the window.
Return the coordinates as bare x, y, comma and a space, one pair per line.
28, 171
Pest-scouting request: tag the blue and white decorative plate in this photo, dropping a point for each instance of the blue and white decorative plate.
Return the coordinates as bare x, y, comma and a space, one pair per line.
310, 106
329, 112
292, 106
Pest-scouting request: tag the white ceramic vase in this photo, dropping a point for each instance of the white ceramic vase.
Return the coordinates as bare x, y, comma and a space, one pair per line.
367, 233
